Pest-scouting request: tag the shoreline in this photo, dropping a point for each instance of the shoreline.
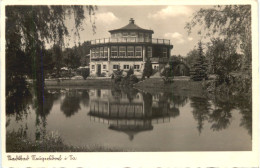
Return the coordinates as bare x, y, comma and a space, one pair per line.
151, 85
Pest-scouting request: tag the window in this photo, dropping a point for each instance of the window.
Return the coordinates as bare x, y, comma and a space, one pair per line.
93, 66
114, 50
136, 66
124, 34
93, 52
126, 66
122, 51
164, 52
132, 34
105, 52
149, 52
104, 66
97, 52
116, 67
113, 35
101, 51
138, 51
130, 51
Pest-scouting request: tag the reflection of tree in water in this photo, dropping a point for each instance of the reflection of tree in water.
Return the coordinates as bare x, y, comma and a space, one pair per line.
245, 107
85, 98
116, 93
148, 100
18, 97
70, 104
201, 109
178, 100
221, 114
130, 93
43, 104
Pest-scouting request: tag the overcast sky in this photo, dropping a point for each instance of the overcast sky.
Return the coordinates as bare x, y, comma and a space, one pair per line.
166, 21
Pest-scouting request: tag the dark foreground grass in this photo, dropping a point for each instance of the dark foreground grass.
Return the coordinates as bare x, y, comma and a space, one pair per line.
17, 143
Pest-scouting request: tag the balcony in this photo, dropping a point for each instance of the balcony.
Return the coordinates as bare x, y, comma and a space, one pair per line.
159, 60
130, 40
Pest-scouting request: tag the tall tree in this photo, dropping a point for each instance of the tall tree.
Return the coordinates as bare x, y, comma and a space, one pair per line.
231, 22
148, 69
199, 68
28, 30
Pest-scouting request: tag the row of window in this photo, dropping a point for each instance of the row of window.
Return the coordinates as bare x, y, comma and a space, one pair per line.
129, 51
118, 67
123, 51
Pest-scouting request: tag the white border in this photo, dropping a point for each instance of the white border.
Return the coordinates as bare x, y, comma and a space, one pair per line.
144, 159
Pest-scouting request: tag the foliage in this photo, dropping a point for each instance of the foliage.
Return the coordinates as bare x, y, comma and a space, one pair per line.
192, 55
198, 70
223, 59
85, 73
232, 23
28, 30
130, 72
51, 142
148, 69
167, 72
129, 79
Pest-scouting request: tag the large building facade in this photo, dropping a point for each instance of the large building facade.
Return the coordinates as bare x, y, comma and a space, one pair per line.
128, 47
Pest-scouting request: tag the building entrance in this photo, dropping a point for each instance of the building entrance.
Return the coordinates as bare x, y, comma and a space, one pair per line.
98, 69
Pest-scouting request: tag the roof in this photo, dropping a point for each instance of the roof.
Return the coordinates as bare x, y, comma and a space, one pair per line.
131, 26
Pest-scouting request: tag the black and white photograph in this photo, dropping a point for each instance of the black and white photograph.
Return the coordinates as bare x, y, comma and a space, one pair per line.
101, 78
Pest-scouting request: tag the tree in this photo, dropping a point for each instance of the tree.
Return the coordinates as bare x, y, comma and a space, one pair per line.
199, 68
232, 22
223, 59
148, 69
28, 30
130, 72
191, 57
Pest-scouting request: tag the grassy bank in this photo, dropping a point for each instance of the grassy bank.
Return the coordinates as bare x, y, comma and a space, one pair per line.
80, 82
152, 85
17, 143
182, 87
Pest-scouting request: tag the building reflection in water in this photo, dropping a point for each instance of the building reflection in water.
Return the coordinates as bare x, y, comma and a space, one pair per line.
130, 115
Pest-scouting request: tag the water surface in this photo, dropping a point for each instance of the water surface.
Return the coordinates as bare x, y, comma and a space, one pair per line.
135, 120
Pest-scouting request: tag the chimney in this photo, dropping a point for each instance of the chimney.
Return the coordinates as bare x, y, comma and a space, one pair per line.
131, 20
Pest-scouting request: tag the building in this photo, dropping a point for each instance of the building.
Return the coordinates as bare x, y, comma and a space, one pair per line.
128, 47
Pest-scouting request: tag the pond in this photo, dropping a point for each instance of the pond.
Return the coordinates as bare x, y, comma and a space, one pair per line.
135, 120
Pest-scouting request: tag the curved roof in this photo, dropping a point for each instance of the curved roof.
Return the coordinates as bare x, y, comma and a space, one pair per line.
131, 26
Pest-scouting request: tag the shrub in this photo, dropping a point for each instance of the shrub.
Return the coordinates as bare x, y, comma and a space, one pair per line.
167, 72
148, 69
133, 79
118, 79
130, 72
85, 73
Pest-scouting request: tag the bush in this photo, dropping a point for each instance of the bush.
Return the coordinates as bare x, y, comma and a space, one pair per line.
118, 79
167, 72
148, 69
85, 73
133, 79
130, 72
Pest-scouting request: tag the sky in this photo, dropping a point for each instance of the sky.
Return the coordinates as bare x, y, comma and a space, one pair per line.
167, 22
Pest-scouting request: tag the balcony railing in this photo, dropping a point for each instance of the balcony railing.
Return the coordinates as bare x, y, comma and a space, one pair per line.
131, 40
